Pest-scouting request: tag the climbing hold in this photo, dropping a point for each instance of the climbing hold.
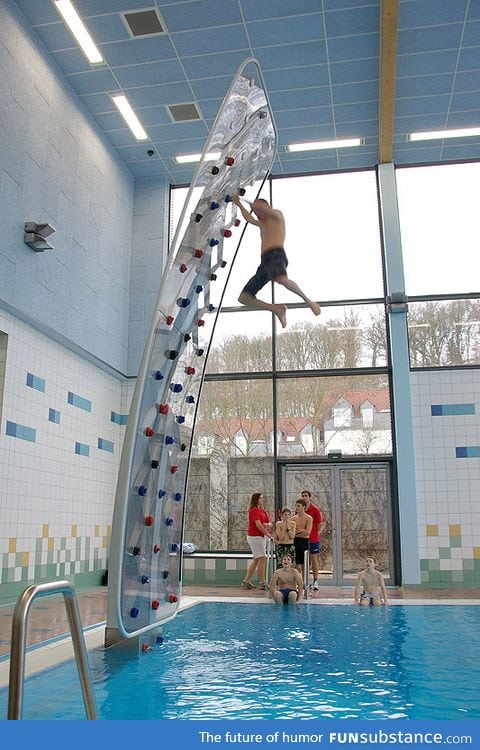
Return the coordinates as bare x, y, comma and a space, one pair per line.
200, 352
180, 419
190, 400
145, 647
213, 205
170, 320
228, 199
190, 370
174, 547
142, 490
148, 520
183, 447
145, 579
155, 604
169, 440
198, 288
213, 277
211, 308
241, 191
171, 353
187, 337
177, 496
161, 493
227, 232
136, 551
158, 375
215, 170
134, 612
176, 387
223, 263
198, 253
169, 521
149, 432
200, 323
213, 242
163, 408
229, 161
237, 222
183, 268
198, 217
164, 573
154, 464
183, 302
172, 598
156, 549
173, 469
158, 639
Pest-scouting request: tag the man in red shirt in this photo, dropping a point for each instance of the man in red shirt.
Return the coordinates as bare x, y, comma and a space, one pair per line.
317, 527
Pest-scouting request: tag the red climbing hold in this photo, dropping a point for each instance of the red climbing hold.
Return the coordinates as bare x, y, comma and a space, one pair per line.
149, 432
229, 161
190, 370
163, 408
172, 598
170, 320
148, 520
173, 469
155, 604
198, 253
200, 322
183, 268
227, 232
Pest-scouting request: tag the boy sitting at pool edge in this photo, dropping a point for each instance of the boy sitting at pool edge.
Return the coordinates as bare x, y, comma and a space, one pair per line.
370, 586
286, 585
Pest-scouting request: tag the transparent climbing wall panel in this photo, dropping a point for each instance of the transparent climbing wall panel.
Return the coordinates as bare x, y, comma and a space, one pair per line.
146, 545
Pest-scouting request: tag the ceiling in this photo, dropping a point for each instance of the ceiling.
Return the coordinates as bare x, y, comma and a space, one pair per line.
376, 69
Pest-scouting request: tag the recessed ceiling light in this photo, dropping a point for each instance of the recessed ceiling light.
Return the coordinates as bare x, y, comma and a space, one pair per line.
320, 145
77, 27
183, 112
433, 135
130, 117
187, 158
143, 22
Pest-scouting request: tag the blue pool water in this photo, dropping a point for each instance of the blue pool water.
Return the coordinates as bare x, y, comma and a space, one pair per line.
247, 661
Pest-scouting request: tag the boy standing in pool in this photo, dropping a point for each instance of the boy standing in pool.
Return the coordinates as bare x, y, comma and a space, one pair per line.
370, 587
286, 585
273, 260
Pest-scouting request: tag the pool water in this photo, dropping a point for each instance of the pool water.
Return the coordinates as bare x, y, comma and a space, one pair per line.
248, 661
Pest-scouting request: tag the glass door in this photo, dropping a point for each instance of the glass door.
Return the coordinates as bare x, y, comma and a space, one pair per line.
355, 501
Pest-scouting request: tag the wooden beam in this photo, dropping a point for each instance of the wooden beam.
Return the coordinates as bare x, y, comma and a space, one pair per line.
388, 64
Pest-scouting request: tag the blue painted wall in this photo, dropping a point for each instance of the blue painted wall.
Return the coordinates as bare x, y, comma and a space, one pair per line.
55, 167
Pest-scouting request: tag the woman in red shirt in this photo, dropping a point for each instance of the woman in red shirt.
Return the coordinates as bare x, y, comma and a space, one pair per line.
258, 530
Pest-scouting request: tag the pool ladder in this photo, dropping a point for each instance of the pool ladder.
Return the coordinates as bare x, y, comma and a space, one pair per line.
18, 646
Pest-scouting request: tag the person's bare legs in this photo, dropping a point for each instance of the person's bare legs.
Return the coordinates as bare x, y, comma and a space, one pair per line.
280, 311
251, 570
293, 287
261, 569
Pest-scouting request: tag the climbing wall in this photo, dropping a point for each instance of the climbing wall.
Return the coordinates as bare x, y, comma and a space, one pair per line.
147, 532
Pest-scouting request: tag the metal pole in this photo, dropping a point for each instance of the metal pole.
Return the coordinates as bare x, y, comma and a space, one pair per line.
18, 646
306, 571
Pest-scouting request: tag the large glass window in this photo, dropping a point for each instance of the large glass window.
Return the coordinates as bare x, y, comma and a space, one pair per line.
440, 226
349, 415
444, 333
346, 336
242, 342
333, 237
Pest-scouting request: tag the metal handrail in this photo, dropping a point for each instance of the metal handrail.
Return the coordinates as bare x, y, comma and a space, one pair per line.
18, 646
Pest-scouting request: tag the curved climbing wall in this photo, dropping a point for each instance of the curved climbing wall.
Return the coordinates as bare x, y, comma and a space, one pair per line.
146, 544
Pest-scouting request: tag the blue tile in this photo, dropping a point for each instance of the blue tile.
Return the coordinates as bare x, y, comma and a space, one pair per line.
105, 445
429, 39
349, 21
200, 15
353, 47
138, 51
424, 85
221, 39
450, 410
93, 82
296, 78
291, 55
468, 451
54, 416
21, 431
418, 13
81, 449
355, 70
166, 93
426, 63
253, 10
300, 98
287, 30
461, 452
163, 71
436, 410
79, 401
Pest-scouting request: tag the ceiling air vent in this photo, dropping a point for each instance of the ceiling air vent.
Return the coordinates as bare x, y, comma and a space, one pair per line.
184, 112
144, 23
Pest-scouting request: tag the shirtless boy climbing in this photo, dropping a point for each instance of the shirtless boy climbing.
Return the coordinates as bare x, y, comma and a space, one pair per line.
273, 260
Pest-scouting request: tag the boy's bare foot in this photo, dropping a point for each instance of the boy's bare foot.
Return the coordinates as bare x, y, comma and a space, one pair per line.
281, 313
316, 309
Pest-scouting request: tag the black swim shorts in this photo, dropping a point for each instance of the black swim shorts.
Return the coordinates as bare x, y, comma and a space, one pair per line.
273, 263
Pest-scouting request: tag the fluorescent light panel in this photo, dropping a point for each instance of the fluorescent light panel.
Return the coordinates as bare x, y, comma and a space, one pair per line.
187, 158
432, 135
130, 117
321, 145
76, 26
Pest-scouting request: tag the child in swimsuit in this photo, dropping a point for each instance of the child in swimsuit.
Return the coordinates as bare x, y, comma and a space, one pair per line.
370, 586
286, 585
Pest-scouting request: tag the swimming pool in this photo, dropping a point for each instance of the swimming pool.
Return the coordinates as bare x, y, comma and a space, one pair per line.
250, 661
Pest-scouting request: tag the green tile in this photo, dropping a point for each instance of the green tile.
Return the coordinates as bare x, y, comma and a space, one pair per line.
425, 576
63, 542
455, 541
457, 576
434, 565
445, 553
468, 564
424, 564
220, 564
